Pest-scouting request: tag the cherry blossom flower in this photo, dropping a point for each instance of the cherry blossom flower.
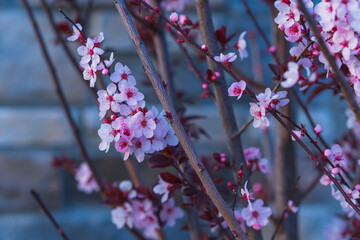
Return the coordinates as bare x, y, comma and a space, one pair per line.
126, 187
258, 113
296, 51
255, 215
109, 99
237, 89
122, 73
174, 17
162, 188
227, 58
254, 161
89, 73
90, 52
270, 100
335, 155
291, 207
169, 213
145, 218
85, 181
106, 134
288, 14
140, 146
325, 180
318, 129
129, 94
293, 33
344, 42
123, 145
122, 215
76, 33
143, 124
241, 46
291, 76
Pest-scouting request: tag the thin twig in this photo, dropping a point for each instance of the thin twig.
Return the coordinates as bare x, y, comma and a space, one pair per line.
338, 75
175, 122
282, 219
243, 128
48, 214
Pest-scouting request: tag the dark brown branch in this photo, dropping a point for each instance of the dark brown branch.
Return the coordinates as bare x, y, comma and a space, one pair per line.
243, 128
64, 104
338, 75
184, 139
48, 214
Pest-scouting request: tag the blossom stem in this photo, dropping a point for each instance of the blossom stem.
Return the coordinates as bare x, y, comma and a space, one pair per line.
175, 122
62, 98
338, 75
45, 210
243, 128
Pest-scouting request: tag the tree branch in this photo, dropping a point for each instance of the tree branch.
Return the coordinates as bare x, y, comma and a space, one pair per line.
175, 122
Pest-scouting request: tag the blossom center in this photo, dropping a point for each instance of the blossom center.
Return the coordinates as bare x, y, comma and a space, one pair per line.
124, 76
237, 91
91, 52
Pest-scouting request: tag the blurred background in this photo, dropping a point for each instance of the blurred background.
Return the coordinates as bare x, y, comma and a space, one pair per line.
33, 128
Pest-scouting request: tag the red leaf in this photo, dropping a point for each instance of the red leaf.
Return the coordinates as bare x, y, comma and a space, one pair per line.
159, 161
170, 178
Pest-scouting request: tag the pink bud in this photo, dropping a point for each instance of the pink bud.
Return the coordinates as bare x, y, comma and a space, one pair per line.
357, 187
318, 129
174, 17
327, 153
180, 40
230, 185
114, 117
217, 74
204, 47
205, 85
105, 71
272, 49
148, 17
157, 9
213, 78
335, 171
184, 20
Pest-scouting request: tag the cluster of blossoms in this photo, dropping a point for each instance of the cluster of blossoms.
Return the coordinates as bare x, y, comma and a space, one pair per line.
134, 128
135, 209
339, 25
255, 161
267, 101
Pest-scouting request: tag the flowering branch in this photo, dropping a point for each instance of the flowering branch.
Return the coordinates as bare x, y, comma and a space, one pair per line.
178, 128
62, 98
319, 164
338, 76
48, 214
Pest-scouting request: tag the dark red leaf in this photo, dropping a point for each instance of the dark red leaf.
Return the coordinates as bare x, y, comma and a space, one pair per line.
159, 161
170, 178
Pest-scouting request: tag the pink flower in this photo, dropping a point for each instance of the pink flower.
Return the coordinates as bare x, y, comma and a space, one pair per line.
89, 73
318, 129
122, 215
122, 73
299, 133
344, 42
126, 187
291, 76
90, 52
174, 17
241, 46
270, 100
76, 34
123, 145
325, 180
229, 57
109, 99
291, 207
105, 69
335, 155
293, 33
162, 188
254, 161
143, 124
237, 89
140, 146
85, 180
246, 194
255, 215
296, 51
258, 113
169, 213
129, 94
288, 14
